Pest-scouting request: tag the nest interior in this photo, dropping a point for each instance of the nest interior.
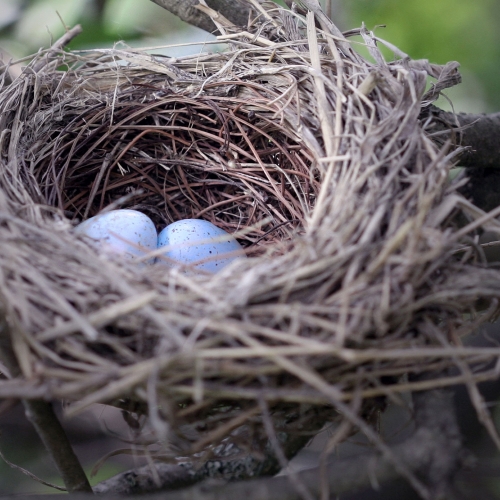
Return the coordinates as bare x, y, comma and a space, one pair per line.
176, 156
314, 155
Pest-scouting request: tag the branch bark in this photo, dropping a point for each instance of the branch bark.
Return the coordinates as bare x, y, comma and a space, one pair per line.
478, 133
232, 464
236, 11
44, 420
146, 480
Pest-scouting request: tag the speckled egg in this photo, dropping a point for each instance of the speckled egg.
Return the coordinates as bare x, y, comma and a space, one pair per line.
189, 242
126, 232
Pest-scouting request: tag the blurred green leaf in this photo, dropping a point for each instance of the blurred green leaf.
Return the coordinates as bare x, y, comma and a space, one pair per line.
442, 31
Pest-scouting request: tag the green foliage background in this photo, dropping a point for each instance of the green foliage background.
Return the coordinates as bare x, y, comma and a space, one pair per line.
441, 31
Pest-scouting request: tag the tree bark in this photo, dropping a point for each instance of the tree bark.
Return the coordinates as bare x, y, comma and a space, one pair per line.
477, 133
236, 465
44, 420
236, 11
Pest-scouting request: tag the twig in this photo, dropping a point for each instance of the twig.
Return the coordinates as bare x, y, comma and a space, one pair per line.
30, 475
141, 480
51, 432
41, 415
57, 46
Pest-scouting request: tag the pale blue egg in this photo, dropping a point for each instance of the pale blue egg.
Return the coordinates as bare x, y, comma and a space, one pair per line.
185, 237
126, 232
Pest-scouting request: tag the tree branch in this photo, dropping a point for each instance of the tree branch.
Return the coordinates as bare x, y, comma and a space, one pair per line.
236, 11
41, 415
231, 464
434, 453
57, 46
44, 420
147, 480
478, 133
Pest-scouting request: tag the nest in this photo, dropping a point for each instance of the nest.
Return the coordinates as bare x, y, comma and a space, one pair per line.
315, 157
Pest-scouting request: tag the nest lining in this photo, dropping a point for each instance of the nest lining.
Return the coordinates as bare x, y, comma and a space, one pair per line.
181, 159
316, 158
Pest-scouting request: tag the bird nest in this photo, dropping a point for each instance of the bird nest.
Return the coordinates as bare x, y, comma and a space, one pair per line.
315, 157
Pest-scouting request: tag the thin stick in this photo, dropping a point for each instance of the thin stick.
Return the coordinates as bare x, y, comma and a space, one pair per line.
57, 46
44, 420
41, 415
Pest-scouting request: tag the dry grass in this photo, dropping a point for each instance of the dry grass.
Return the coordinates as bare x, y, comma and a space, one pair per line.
314, 156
